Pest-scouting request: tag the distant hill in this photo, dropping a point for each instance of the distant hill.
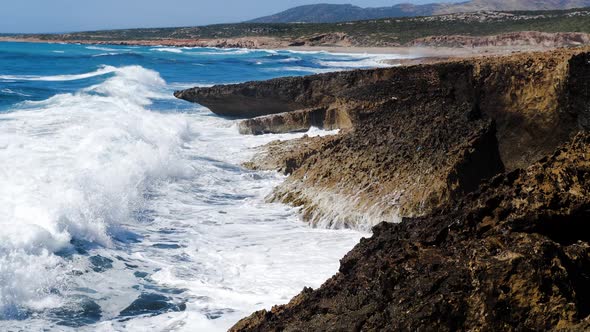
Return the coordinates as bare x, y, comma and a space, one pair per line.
329, 13
458, 29
480, 5
326, 13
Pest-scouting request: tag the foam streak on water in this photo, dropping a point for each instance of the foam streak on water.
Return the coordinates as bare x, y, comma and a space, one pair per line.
122, 208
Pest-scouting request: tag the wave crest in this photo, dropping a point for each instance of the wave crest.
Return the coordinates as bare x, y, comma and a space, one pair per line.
78, 166
56, 78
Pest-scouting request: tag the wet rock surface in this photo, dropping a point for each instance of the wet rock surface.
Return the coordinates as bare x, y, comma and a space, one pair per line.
409, 153
416, 136
485, 163
512, 256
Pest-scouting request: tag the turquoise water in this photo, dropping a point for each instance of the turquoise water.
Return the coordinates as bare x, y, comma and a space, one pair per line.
122, 208
39, 71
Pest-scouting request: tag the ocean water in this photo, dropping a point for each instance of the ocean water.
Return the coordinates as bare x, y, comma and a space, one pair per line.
123, 209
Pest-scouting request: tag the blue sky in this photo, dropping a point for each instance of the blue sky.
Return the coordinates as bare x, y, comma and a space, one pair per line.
76, 15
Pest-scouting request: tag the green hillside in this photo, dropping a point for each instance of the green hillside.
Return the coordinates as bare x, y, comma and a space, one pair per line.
383, 31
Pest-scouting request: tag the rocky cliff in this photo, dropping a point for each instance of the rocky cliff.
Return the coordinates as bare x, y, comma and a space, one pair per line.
280, 95
514, 255
416, 137
485, 163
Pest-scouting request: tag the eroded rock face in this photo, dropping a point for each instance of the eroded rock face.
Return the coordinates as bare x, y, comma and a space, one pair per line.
512, 256
252, 99
527, 97
425, 145
416, 136
578, 87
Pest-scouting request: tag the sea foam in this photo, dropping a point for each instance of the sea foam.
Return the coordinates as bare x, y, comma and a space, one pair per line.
107, 202
101, 71
76, 165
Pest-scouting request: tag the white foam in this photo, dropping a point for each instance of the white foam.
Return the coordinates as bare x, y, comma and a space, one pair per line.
105, 54
362, 63
292, 59
167, 49
103, 70
222, 51
24, 277
307, 52
82, 166
12, 92
308, 69
366, 60
101, 48
76, 166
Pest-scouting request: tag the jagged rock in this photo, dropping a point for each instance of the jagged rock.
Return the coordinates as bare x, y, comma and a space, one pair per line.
412, 128
527, 95
252, 99
287, 156
512, 256
406, 156
578, 87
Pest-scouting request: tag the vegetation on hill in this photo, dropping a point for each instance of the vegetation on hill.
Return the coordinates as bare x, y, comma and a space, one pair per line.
374, 32
331, 13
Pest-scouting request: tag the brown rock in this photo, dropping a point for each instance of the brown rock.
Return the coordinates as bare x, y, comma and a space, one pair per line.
296, 121
252, 99
416, 131
513, 256
405, 156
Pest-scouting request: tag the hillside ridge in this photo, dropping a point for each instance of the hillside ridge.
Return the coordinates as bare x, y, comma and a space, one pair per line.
334, 13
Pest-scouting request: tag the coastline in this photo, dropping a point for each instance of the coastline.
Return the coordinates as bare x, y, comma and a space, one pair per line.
483, 161
418, 167
407, 55
439, 152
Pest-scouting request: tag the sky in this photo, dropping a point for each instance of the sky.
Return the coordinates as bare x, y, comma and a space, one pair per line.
39, 16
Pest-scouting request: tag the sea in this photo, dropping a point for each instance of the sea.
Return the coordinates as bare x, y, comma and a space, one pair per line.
125, 209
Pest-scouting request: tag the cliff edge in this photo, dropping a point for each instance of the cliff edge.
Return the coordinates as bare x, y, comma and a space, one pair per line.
413, 138
512, 256
484, 163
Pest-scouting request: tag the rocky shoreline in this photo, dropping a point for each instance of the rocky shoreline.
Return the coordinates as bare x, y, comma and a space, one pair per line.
428, 127
514, 255
485, 163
